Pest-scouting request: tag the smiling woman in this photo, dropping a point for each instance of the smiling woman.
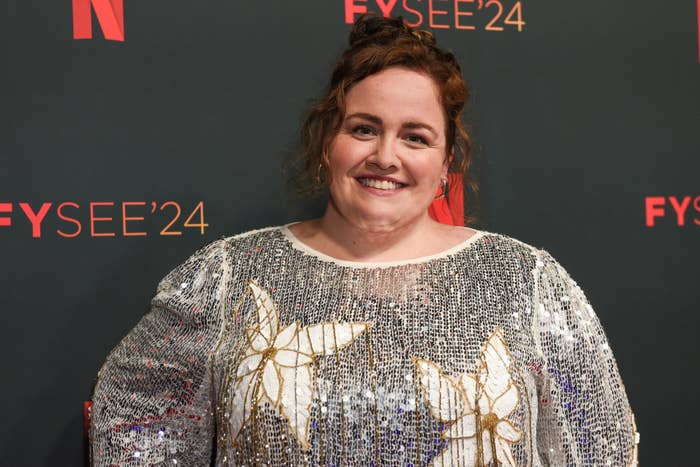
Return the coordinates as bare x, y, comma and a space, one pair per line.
373, 335
384, 167
383, 139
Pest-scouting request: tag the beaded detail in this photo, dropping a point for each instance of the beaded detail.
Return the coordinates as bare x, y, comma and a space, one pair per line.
257, 351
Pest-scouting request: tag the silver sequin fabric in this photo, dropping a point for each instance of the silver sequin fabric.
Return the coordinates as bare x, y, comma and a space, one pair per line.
258, 350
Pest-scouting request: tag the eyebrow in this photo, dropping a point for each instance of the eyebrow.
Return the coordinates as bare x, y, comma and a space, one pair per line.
378, 121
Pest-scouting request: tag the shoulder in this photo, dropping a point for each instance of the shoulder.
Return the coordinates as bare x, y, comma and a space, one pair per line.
255, 236
233, 249
216, 250
252, 243
214, 259
505, 249
549, 277
506, 253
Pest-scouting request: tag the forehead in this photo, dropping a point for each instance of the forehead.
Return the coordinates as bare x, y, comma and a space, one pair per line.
396, 93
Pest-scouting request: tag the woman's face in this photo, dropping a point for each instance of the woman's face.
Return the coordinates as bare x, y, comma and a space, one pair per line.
388, 159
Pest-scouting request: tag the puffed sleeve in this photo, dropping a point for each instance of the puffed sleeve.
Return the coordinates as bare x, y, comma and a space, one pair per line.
152, 401
584, 417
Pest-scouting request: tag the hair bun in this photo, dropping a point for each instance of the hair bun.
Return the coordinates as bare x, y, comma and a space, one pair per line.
371, 27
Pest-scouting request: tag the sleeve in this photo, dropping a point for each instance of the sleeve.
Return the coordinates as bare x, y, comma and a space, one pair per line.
152, 401
584, 418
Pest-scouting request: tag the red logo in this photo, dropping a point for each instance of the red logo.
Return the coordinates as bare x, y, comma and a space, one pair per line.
655, 207
110, 14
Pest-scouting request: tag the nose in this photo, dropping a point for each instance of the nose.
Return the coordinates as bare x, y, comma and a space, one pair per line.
384, 157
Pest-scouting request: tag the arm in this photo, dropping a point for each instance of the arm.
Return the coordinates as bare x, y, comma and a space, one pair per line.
152, 399
584, 416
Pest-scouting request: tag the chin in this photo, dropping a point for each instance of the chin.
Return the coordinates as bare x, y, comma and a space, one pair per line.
381, 220
375, 216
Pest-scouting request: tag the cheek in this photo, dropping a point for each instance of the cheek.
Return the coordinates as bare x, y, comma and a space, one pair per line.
428, 172
339, 155
345, 154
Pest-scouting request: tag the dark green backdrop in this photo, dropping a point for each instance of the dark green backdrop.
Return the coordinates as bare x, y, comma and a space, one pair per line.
578, 118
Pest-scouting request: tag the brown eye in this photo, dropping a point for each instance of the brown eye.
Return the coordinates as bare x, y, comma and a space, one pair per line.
363, 130
416, 139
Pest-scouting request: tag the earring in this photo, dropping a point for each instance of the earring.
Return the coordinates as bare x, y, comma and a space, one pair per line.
443, 193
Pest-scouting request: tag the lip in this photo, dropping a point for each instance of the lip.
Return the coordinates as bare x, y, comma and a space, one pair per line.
381, 177
377, 191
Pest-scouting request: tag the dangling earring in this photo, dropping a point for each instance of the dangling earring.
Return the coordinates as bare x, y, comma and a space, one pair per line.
443, 193
320, 170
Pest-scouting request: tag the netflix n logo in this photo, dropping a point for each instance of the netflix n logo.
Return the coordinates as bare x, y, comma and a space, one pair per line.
110, 15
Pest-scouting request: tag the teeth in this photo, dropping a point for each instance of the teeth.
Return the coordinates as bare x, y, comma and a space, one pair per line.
380, 184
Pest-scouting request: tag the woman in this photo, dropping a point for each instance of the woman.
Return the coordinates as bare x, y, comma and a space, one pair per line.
373, 335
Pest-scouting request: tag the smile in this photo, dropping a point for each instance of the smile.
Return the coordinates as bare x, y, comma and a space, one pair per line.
380, 184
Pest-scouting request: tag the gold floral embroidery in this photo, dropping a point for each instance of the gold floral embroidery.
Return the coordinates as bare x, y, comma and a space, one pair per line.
276, 365
474, 406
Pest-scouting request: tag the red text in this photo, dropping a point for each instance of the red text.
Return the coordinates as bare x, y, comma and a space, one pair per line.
106, 218
489, 15
681, 208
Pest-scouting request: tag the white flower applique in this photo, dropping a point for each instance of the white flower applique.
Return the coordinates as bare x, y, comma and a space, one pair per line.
474, 407
276, 365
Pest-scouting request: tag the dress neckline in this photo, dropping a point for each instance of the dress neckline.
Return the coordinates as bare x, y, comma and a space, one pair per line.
299, 245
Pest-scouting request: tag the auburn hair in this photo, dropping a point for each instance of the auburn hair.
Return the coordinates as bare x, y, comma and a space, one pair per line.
377, 43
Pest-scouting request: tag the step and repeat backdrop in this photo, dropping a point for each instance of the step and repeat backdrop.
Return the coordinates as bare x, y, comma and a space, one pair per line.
135, 132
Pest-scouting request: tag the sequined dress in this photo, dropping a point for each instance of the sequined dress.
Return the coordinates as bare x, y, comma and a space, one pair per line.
258, 350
